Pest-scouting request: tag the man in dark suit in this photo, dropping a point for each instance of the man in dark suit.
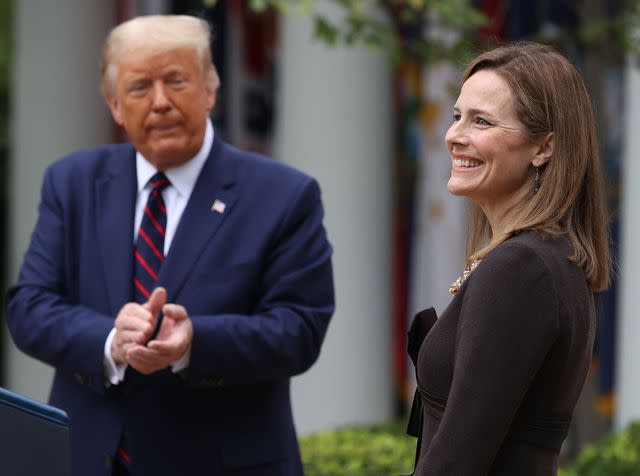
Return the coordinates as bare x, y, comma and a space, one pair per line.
174, 307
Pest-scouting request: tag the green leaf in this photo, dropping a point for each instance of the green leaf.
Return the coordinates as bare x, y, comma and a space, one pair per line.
325, 31
259, 5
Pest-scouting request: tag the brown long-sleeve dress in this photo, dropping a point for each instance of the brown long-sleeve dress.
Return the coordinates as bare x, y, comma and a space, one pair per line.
500, 372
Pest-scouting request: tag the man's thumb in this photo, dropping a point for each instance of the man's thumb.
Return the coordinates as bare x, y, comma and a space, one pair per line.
157, 299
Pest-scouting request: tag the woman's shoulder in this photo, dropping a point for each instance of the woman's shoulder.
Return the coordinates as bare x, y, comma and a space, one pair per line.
533, 259
514, 285
526, 259
533, 249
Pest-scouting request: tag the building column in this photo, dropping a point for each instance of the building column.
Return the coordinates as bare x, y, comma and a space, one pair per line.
57, 108
335, 122
628, 355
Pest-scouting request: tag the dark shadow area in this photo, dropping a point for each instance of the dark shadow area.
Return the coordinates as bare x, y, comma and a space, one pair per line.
6, 21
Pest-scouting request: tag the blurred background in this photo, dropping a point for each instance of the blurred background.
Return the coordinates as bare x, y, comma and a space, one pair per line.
359, 94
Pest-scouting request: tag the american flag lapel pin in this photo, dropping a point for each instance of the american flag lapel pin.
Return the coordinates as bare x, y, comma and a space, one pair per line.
218, 206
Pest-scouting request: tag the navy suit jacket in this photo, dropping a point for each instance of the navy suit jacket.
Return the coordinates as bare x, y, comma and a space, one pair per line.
255, 279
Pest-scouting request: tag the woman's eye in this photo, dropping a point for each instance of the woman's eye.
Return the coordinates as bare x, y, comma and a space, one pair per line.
482, 122
456, 117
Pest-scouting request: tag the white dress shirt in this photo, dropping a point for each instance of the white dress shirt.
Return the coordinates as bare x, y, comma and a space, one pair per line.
176, 196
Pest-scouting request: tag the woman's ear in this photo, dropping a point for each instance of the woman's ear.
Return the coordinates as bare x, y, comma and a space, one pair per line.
544, 151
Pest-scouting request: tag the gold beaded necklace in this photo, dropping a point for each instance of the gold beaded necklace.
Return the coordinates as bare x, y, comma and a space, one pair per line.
453, 289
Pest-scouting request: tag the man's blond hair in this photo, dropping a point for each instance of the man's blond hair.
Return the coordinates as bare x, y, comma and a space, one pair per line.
146, 36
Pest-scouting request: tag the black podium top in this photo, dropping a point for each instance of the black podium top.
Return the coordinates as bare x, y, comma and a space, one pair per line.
34, 437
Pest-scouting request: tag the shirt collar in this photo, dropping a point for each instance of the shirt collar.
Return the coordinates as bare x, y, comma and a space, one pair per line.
184, 176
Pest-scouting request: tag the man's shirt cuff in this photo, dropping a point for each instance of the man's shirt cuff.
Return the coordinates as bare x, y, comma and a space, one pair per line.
182, 363
114, 373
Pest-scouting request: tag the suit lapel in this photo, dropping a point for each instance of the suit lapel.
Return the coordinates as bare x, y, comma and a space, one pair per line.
115, 196
200, 219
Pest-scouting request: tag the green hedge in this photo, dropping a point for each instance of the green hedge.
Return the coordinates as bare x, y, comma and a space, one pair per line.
386, 450
359, 451
617, 454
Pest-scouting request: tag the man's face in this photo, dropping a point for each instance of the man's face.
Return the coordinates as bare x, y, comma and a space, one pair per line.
163, 102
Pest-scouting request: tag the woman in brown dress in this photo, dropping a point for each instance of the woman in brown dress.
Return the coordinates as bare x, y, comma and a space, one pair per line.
500, 371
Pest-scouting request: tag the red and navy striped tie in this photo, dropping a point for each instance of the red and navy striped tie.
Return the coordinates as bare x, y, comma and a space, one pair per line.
149, 255
149, 249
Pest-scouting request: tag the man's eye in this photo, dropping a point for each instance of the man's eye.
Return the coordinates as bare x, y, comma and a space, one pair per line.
138, 88
456, 117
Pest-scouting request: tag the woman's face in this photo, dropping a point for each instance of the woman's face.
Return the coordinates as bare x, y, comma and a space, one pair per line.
490, 153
